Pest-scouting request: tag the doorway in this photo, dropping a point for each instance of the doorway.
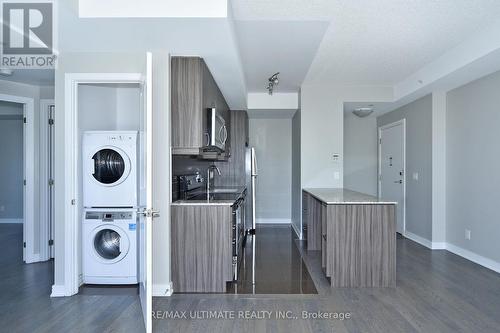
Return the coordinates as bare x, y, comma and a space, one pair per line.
392, 168
20, 200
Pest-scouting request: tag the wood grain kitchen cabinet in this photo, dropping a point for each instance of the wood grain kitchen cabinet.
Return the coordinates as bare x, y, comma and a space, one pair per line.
202, 255
193, 91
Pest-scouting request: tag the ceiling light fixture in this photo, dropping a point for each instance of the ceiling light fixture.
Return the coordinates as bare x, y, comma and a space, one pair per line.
273, 81
363, 112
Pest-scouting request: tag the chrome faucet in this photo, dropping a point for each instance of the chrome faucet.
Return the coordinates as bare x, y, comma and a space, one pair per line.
209, 174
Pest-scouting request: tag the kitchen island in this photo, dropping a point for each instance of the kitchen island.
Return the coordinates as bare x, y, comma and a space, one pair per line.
356, 234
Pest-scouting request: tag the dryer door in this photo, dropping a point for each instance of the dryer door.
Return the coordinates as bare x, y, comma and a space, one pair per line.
110, 243
109, 166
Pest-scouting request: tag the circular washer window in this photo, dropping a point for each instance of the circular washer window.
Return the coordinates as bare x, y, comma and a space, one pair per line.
109, 166
107, 244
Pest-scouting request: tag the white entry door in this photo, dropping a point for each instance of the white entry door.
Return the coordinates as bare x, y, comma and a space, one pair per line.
392, 143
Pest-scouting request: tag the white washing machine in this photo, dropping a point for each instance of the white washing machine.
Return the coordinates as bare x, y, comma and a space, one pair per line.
109, 169
109, 247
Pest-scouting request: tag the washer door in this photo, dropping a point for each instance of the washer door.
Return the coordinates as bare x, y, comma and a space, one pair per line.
109, 166
110, 243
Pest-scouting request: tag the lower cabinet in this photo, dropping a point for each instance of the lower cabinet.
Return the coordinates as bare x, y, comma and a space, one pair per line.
202, 252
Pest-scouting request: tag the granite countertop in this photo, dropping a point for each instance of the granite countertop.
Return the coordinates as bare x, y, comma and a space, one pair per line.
339, 196
221, 196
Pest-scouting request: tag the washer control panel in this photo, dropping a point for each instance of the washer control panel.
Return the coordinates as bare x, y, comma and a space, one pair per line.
108, 216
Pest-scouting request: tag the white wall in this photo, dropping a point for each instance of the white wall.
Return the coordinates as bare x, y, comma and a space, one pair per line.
11, 163
472, 167
360, 153
272, 139
322, 127
296, 184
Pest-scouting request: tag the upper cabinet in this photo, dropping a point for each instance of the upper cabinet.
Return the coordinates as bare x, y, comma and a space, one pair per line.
193, 93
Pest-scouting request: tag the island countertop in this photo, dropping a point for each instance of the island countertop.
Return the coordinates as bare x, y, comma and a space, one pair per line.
343, 196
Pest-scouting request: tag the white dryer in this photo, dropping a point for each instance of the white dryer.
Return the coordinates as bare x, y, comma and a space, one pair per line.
109, 247
109, 169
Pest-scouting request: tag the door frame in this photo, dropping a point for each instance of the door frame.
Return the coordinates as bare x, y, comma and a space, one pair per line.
72, 235
45, 253
380, 129
30, 166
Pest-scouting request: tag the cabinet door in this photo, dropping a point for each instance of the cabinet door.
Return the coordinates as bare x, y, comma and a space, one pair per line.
186, 104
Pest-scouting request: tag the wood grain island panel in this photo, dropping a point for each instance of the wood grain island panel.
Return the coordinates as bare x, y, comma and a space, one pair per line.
358, 237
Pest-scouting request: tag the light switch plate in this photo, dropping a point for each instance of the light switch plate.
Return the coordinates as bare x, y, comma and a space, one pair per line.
415, 176
336, 175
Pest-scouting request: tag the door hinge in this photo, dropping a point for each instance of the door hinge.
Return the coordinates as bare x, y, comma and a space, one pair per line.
73, 202
380, 141
51, 242
51, 121
24, 120
51, 182
24, 182
24, 244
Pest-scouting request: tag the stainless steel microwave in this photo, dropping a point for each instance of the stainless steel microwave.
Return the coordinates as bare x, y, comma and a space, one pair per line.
216, 133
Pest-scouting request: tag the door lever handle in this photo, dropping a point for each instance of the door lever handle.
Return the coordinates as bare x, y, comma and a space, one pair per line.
398, 181
149, 213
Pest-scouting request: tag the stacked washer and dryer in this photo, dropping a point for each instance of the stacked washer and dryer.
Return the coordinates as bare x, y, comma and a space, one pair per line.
109, 223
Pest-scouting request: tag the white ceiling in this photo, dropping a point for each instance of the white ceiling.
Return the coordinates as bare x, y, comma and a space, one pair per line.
39, 77
287, 47
376, 42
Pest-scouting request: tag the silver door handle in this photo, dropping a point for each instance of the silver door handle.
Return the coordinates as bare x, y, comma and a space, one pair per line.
398, 181
149, 213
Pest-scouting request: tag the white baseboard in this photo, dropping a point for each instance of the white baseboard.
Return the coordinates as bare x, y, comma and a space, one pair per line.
32, 258
296, 231
420, 240
469, 255
162, 290
58, 291
425, 242
273, 221
478, 259
20, 221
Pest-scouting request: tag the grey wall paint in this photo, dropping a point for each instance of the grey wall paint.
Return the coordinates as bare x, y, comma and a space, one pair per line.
418, 116
272, 139
11, 163
296, 185
360, 154
472, 164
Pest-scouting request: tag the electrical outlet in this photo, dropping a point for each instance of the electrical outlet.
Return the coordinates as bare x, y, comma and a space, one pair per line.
467, 234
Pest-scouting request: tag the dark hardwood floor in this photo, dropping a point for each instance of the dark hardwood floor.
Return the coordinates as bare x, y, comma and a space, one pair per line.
436, 291
26, 306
